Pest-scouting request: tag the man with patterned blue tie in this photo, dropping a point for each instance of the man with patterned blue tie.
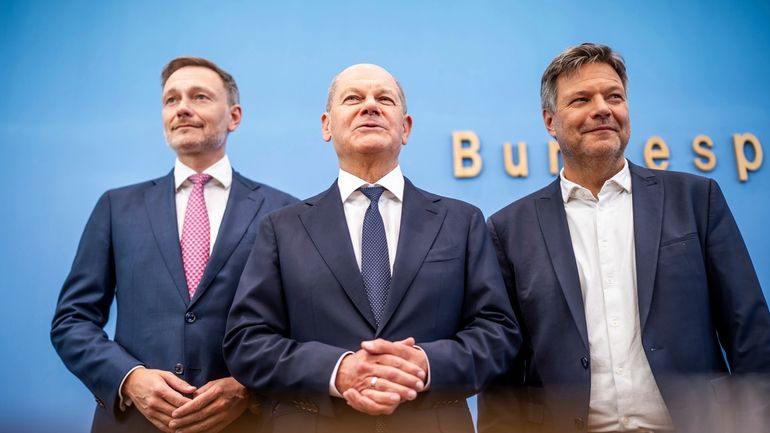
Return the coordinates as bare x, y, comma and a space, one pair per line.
373, 306
170, 252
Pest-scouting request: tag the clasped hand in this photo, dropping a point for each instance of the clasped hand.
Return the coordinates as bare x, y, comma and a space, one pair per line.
160, 397
382, 375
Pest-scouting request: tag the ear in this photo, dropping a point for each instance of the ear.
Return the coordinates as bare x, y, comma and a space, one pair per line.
326, 126
548, 120
407, 129
235, 117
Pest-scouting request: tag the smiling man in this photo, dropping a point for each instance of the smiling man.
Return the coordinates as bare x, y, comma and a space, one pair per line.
170, 252
373, 306
633, 287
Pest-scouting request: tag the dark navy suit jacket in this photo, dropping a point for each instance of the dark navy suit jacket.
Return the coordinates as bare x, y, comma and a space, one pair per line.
130, 252
698, 296
301, 304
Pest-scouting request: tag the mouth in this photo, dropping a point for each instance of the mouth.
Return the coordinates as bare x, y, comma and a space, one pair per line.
185, 126
603, 128
370, 125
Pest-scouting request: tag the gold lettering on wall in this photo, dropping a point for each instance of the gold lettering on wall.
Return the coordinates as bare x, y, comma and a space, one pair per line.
702, 146
553, 157
463, 154
741, 159
656, 149
516, 170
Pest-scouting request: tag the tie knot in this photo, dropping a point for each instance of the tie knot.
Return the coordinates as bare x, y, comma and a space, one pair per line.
373, 193
200, 178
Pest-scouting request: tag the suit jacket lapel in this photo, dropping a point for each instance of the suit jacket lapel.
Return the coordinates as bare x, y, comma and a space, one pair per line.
421, 219
553, 225
325, 223
161, 209
242, 206
647, 195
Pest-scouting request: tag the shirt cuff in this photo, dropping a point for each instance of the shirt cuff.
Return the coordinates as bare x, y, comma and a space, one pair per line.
332, 388
427, 362
125, 401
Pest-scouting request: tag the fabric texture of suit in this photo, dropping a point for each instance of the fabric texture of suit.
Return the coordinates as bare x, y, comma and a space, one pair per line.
301, 304
698, 295
130, 252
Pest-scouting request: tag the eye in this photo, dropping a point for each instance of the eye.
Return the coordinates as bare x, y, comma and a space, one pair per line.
201, 97
616, 97
387, 100
351, 99
579, 100
169, 100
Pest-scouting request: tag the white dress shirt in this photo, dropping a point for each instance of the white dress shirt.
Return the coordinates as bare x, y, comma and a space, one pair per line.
215, 193
624, 394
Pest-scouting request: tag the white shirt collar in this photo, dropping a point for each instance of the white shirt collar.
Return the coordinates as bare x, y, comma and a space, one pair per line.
622, 179
221, 171
393, 182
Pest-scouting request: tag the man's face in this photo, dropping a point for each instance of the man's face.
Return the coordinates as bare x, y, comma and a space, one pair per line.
196, 113
366, 119
591, 114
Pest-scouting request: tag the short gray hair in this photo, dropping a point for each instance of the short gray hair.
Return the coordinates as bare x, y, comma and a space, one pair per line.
572, 59
333, 89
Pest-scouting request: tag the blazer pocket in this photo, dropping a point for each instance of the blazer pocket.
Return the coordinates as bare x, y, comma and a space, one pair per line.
443, 254
680, 239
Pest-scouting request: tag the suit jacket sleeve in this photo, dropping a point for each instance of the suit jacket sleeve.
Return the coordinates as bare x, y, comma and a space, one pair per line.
489, 339
741, 316
258, 349
83, 309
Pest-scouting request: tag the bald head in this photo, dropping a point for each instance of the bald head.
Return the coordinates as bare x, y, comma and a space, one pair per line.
364, 71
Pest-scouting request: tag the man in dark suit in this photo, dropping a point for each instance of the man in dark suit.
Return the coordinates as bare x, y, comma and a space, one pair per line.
633, 287
170, 252
373, 306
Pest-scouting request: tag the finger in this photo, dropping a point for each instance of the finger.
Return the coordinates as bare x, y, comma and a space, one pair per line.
409, 341
382, 397
396, 376
211, 424
384, 385
176, 383
401, 364
361, 403
380, 346
197, 403
160, 421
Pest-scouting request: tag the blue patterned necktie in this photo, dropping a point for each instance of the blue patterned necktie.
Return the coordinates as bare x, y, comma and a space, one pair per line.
375, 263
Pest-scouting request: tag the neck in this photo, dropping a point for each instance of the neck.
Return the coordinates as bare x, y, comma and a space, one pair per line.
200, 162
370, 171
592, 173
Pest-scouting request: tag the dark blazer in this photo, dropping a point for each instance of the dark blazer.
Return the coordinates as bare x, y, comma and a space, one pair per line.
130, 252
698, 295
301, 304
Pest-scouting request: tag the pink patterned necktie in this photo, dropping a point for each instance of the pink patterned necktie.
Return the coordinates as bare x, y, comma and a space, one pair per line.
196, 233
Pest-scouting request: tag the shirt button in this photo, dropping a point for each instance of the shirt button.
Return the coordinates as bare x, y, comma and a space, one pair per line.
179, 369
189, 317
619, 371
614, 322
624, 420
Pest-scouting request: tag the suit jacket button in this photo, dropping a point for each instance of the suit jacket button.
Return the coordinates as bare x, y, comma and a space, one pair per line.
585, 362
179, 369
579, 423
189, 317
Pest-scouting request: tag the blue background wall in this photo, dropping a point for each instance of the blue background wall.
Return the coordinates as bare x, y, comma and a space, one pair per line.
80, 113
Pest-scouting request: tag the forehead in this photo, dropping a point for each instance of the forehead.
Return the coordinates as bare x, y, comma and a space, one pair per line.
366, 77
193, 76
589, 76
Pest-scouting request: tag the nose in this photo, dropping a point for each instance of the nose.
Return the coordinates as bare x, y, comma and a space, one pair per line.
370, 105
183, 108
600, 107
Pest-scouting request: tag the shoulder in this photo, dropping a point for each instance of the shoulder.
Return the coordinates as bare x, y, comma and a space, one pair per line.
676, 184
452, 205
526, 205
279, 197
